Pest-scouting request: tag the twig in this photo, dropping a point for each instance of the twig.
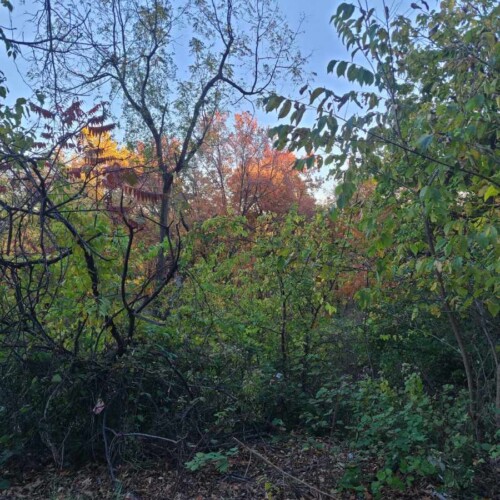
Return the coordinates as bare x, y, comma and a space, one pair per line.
107, 452
248, 465
149, 436
264, 459
119, 435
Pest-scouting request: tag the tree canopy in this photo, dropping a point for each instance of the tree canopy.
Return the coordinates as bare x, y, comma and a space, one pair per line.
173, 289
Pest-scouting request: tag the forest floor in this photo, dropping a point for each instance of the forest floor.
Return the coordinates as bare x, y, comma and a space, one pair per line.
291, 469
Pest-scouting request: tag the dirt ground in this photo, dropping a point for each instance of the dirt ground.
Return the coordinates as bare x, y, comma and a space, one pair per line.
295, 469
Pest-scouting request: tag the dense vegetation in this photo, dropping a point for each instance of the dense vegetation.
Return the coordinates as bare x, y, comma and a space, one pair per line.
168, 293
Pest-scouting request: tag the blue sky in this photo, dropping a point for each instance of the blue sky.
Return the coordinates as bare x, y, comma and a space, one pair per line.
318, 40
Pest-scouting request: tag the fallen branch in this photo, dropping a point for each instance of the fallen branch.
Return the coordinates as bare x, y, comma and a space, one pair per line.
264, 459
121, 435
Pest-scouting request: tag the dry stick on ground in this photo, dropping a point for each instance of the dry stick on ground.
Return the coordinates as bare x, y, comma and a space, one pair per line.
264, 459
108, 447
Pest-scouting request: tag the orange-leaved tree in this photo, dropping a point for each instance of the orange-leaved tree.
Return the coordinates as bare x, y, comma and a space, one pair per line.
240, 172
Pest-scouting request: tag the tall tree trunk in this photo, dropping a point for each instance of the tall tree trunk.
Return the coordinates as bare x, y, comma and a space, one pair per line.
454, 327
167, 181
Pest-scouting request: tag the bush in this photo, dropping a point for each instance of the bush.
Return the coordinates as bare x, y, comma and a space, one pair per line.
408, 432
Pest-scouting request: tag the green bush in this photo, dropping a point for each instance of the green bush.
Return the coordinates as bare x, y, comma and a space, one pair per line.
411, 433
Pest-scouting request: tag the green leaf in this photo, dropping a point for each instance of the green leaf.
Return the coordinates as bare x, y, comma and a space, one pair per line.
331, 65
491, 192
384, 241
322, 122
363, 297
285, 109
7, 4
476, 102
315, 94
367, 77
300, 113
330, 309
423, 192
274, 102
310, 162
414, 249
352, 73
345, 11
424, 142
341, 68
344, 193
493, 307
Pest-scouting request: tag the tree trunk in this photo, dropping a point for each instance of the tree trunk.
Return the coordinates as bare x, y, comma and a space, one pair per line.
454, 326
167, 181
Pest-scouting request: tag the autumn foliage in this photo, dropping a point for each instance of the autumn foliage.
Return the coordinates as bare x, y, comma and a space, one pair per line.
181, 298
240, 172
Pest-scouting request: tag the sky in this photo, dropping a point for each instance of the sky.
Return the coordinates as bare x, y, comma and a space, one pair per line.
317, 40
320, 42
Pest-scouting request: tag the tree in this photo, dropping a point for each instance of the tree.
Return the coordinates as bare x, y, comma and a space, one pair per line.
427, 133
264, 179
240, 171
237, 49
39, 232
